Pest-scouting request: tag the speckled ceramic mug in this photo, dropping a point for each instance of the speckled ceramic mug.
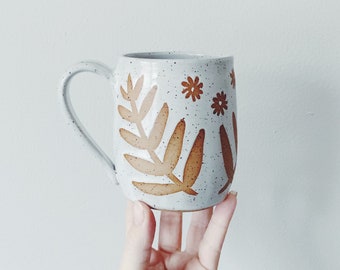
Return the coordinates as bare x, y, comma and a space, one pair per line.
175, 134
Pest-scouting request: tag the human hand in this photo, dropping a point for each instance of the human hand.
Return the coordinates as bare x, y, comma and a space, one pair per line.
205, 238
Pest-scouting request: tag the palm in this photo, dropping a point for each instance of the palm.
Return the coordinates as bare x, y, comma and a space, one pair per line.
203, 242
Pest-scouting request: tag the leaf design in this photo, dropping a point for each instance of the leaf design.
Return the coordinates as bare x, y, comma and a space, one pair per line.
227, 158
129, 84
184, 187
174, 147
138, 87
194, 162
235, 131
173, 150
147, 102
157, 189
133, 139
226, 152
126, 114
125, 95
158, 128
146, 166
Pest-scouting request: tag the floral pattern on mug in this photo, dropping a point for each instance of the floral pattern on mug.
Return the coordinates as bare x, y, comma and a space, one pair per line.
233, 79
229, 165
158, 166
193, 88
220, 103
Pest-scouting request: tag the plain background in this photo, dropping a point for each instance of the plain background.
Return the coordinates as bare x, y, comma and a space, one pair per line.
58, 209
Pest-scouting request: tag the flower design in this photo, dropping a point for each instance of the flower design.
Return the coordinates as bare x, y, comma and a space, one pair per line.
220, 103
233, 79
192, 88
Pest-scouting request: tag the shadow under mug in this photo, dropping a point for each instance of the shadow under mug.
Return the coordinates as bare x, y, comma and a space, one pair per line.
175, 132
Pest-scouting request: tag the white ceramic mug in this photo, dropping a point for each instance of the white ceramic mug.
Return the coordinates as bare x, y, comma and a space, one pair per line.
175, 134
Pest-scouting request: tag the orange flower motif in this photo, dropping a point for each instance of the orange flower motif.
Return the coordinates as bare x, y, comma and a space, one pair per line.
233, 79
220, 103
192, 88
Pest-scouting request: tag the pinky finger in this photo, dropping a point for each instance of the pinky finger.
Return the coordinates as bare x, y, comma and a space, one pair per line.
212, 242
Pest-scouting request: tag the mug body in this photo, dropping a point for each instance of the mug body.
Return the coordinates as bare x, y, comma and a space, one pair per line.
175, 133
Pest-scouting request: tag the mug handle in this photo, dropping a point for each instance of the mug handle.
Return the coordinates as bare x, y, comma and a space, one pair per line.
72, 118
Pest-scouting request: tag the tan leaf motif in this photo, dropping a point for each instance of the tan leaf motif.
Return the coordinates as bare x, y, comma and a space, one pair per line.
126, 114
146, 166
174, 147
129, 84
133, 139
156, 166
158, 128
147, 102
194, 162
184, 187
138, 87
227, 158
157, 189
125, 95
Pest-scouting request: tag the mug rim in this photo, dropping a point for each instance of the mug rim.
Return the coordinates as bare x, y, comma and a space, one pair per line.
173, 56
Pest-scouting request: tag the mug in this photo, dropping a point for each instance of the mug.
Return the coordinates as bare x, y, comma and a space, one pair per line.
174, 127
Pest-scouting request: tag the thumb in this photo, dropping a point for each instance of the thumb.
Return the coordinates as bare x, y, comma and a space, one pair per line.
140, 231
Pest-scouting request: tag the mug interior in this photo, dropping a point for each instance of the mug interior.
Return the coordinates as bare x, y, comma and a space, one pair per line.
169, 55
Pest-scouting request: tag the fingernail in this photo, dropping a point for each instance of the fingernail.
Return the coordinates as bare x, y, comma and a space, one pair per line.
233, 192
138, 213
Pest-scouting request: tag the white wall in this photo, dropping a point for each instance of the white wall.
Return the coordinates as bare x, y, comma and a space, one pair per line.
57, 208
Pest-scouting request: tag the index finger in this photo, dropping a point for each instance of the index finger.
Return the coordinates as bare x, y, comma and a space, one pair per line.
212, 242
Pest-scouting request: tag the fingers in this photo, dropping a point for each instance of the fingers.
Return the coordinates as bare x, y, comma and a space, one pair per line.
198, 226
170, 231
212, 242
140, 231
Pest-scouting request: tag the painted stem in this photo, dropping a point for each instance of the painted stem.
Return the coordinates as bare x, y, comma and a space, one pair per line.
154, 156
